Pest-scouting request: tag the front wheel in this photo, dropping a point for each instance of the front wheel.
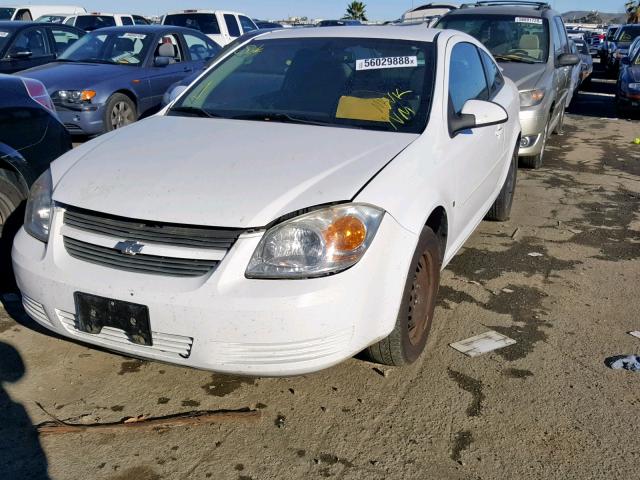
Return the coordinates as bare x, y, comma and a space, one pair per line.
409, 336
120, 111
501, 209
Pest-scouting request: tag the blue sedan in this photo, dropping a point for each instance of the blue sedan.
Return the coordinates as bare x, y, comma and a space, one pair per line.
113, 76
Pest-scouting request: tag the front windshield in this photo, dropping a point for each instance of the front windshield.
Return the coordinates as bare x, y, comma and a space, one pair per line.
628, 34
122, 48
346, 82
206, 23
612, 33
509, 38
6, 13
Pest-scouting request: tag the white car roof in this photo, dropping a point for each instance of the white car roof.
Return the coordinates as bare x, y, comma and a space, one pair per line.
189, 11
413, 32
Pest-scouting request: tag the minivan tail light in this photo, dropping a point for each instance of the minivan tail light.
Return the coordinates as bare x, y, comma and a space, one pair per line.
38, 92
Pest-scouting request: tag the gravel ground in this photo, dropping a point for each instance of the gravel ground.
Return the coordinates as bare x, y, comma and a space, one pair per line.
546, 407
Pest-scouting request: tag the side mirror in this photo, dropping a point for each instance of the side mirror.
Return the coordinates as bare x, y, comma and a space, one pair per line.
625, 61
567, 60
20, 54
176, 92
477, 114
161, 61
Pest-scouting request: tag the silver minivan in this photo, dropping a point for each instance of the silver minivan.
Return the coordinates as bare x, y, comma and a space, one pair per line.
529, 41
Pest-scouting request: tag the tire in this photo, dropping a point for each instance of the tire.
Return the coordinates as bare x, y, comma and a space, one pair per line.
409, 336
500, 211
120, 111
535, 162
10, 199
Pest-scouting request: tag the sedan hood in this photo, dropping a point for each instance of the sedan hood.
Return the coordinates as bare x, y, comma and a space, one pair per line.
216, 172
75, 76
525, 75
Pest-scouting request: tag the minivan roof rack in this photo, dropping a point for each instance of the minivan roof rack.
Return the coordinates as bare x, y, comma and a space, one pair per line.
504, 3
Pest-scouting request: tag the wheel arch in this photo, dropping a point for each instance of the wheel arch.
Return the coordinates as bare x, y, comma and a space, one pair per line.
14, 167
131, 95
438, 221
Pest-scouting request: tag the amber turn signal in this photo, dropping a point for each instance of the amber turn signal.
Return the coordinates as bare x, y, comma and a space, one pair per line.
345, 234
87, 95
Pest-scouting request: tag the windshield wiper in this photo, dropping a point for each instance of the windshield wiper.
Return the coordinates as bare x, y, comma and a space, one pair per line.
95, 60
513, 58
194, 112
64, 60
279, 117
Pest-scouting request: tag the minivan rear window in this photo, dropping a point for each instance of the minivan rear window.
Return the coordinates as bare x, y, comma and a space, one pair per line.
510, 38
206, 23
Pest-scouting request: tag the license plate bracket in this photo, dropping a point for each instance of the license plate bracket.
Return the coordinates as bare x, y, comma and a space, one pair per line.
94, 313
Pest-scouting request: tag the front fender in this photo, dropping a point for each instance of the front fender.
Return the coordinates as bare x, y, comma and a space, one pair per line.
19, 164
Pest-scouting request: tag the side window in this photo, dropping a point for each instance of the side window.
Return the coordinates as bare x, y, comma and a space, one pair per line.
126, 20
24, 14
173, 46
247, 24
70, 21
199, 48
494, 77
63, 39
33, 40
563, 44
232, 25
467, 80
138, 20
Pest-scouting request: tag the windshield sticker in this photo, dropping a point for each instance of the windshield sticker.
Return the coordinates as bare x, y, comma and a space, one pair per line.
368, 109
386, 62
134, 36
537, 21
4, 34
250, 51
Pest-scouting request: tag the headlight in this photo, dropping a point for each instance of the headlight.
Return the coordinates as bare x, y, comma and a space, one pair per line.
530, 98
37, 219
316, 244
634, 86
75, 96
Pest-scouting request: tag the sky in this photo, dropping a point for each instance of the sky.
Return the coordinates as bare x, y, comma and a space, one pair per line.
279, 9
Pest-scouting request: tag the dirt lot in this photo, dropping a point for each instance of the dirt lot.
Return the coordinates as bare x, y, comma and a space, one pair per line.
546, 407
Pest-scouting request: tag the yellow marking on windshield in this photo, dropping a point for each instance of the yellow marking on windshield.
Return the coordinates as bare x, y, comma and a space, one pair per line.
368, 109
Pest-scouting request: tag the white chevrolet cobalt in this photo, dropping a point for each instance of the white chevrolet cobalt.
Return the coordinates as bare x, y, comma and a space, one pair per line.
293, 207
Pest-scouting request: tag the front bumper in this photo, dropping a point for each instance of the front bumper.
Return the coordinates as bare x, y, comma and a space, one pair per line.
223, 321
533, 122
82, 122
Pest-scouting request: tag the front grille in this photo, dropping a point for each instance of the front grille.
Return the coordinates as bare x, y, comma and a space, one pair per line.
110, 257
145, 231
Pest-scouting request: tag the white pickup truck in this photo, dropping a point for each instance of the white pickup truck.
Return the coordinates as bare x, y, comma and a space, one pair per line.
31, 12
220, 26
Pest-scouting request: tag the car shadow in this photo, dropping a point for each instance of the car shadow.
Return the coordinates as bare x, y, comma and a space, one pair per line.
21, 454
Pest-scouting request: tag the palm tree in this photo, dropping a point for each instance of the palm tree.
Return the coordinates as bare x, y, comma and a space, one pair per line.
356, 11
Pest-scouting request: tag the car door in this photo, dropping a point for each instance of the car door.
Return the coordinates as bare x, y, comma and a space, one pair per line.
495, 82
30, 48
562, 74
161, 78
476, 152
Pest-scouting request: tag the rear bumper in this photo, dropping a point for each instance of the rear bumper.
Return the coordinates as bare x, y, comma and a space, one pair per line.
223, 321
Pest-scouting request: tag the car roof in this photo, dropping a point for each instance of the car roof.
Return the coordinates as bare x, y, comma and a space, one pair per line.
148, 29
201, 10
392, 32
524, 11
15, 25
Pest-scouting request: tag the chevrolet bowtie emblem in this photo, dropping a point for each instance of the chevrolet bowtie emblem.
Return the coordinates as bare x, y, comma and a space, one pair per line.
129, 247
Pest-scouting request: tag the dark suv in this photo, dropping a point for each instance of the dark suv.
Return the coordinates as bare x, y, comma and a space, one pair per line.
529, 41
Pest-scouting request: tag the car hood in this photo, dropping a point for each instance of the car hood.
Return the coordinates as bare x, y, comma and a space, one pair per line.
525, 75
217, 172
76, 76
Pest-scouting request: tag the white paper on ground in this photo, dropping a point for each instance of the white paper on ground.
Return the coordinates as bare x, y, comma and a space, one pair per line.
483, 343
635, 334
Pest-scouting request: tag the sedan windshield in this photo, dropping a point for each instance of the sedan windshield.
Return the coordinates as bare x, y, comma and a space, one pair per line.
6, 13
207, 23
509, 38
346, 82
122, 48
94, 22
